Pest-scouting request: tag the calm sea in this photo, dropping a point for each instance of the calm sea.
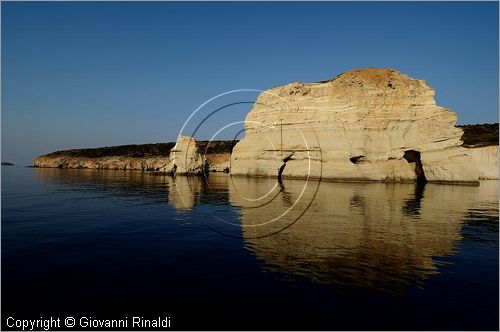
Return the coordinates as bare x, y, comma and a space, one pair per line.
240, 253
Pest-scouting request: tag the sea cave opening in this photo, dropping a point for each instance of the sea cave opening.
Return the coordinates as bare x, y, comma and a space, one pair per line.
413, 156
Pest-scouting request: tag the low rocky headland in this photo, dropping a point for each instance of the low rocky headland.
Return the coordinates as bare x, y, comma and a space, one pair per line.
363, 125
144, 157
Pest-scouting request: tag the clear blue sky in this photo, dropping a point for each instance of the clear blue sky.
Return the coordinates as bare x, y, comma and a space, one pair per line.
89, 74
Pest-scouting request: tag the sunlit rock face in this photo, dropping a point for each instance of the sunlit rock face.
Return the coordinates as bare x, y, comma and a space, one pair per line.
485, 159
184, 157
357, 126
112, 162
380, 236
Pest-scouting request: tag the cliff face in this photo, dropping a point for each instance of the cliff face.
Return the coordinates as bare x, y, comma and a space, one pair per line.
366, 124
485, 159
111, 162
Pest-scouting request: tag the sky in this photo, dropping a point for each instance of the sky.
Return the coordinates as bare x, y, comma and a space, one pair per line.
90, 74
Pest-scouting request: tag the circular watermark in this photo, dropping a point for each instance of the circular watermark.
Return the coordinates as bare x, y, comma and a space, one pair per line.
271, 155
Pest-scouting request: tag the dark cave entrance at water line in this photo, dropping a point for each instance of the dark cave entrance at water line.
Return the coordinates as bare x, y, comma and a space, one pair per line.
413, 156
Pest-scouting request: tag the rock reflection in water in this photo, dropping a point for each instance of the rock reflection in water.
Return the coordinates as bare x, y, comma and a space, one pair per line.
353, 236
183, 192
361, 236
376, 236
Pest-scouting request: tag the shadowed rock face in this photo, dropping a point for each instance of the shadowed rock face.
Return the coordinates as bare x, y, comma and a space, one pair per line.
378, 114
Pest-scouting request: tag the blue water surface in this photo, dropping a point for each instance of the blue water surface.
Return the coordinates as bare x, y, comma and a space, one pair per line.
111, 244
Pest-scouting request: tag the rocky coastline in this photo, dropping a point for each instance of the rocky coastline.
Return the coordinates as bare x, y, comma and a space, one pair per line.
372, 124
218, 162
155, 158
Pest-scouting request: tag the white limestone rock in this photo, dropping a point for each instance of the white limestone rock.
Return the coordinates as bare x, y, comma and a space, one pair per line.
357, 126
485, 159
184, 157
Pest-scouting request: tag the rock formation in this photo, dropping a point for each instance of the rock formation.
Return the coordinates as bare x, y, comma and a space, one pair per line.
363, 125
184, 157
366, 124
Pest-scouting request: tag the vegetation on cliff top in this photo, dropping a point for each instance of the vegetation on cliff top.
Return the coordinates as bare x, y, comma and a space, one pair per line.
143, 150
133, 150
213, 147
474, 135
480, 134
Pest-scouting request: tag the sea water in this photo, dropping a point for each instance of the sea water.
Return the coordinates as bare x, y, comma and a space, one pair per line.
246, 253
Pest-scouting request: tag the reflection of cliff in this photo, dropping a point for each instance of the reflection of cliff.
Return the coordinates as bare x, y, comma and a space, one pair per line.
187, 191
183, 192
352, 236
377, 236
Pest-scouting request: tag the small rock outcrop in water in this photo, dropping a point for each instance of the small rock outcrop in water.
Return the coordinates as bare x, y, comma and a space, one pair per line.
185, 158
366, 124
191, 157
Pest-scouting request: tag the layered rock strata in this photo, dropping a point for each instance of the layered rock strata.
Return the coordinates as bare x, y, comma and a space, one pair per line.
367, 124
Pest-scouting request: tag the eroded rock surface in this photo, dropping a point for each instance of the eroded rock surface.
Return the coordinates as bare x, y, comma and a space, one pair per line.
357, 126
184, 157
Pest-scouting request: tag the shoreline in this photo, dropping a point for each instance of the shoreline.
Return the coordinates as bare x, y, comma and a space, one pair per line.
293, 178
215, 156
